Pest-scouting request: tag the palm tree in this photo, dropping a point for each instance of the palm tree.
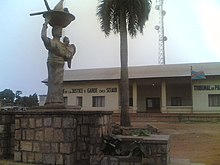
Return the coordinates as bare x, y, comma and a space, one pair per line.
123, 16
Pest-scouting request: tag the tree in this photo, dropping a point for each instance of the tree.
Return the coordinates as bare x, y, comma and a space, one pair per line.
7, 97
17, 94
26, 101
123, 16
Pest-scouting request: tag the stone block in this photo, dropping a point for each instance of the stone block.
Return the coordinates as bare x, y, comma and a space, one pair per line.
49, 135
85, 120
45, 148
106, 119
109, 161
69, 159
65, 148
57, 122
30, 135
69, 135
58, 135
59, 159
101, 120
17, 145
36, 146
24, 157
24, 123
95, 132
38, 158
84, 130
163, 149
47, 122
93, 120
49, 159
79, 119
95, 160
26, 146
39, 135
31, 123
39, 123
17, 156
81, 146
105, 131
68, 123
150, 161
54, 147
30, 157
17, 134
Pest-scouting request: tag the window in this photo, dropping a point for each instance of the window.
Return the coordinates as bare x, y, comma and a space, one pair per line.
176, 101
214, 100
65, 100
98, 101
79, 101
130, 101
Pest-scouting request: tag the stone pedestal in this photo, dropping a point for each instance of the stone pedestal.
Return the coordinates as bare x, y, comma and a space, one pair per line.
60, 136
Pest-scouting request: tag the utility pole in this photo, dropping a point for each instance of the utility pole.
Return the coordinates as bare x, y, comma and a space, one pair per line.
160, 29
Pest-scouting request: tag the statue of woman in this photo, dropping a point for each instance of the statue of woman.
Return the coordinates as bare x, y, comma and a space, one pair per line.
58, 53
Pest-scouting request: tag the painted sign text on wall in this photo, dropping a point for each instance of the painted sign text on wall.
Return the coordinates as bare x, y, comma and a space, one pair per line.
91, 90
206, 87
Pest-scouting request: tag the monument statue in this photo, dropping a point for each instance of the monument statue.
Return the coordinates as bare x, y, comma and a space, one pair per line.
58, 51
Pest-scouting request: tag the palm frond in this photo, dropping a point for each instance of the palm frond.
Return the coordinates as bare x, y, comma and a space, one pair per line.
104, 11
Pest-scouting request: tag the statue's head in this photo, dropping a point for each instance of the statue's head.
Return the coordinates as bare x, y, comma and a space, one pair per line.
66, 40
57, 31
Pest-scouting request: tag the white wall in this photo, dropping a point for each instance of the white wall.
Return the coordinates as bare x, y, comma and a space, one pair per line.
200, 97
72, 90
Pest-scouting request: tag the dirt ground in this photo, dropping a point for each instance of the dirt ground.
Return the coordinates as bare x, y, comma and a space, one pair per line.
199, 142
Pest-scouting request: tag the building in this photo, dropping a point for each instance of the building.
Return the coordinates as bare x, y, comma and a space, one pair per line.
153, 89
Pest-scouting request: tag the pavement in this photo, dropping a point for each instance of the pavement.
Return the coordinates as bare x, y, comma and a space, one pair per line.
183, 162
9, 162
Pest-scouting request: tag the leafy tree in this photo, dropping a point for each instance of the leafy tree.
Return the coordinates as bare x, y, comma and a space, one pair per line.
17, 94
7, 97
34, 100
123, 16
26, 101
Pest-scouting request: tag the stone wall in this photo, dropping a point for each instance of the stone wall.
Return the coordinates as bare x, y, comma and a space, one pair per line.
156, 151
60, 136
6, 134
67, 137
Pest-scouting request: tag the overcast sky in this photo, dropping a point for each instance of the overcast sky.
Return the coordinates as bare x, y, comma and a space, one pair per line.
191, 26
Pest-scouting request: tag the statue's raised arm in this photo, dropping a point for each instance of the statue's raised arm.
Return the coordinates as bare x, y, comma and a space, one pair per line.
58, 52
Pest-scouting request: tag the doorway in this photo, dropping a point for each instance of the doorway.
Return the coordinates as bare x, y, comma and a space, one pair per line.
153, 104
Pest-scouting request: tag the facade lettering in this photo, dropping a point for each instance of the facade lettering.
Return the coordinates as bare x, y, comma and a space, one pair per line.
111, 90
77, 90
91, 90
206, 87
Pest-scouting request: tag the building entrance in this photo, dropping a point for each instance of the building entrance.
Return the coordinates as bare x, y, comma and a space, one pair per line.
153, 104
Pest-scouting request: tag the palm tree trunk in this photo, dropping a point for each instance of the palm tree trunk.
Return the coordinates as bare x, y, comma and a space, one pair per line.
124, 81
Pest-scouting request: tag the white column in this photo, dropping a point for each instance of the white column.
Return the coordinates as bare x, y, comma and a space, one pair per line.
163, 97
135, 96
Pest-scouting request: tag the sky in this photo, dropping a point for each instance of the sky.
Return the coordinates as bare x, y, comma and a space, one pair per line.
191, 26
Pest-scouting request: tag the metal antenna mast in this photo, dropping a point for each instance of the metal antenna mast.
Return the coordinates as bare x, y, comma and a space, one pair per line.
160, 29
